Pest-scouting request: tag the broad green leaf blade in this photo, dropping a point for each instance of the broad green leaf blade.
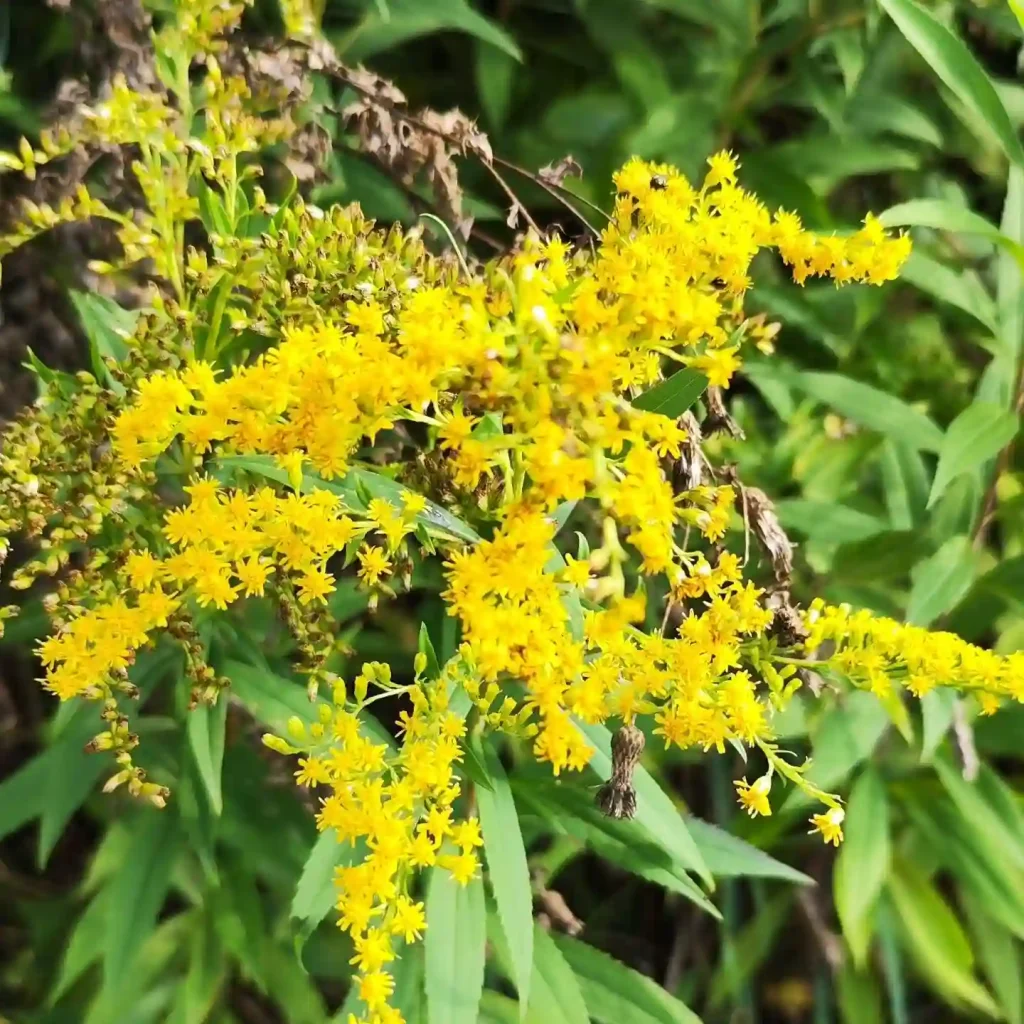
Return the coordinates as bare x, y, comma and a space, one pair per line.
831, 523
980, 432
316, 893
906, 483
874, 409
863, 862
508, 870
205, 727
571, 810
356, 483
998, 956
846, 735
454, 949
960, 288
425, 646
937, 708
137, 891
616, 994
674, 395
858, 997
992, 826
22, 794
956, 66
943, 215
411, 19
495, 75
107, 326
941, 581
271, 699
654, 810
936, 941
728, 856
83, 948
1009, 284
556, 993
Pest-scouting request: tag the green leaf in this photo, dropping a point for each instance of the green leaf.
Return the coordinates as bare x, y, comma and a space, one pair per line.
859, 999
936, 717
83, 948
935, 940
728, 856
316, 892
194, 997
998, 956
356, 488
874, 409
991, 826
1009, 286
454, 949
212, 211
571, 810
846, 734
508, 870
654, 809
410, 19
616, 994
425, 647
556, 994
941, 581
943, 215
673, 396
205, 727
106, 326
270, 698
906, 483
824, 521
137, 891
974, 859
960, 288
863, 861
980, 432
495, 76
956, 66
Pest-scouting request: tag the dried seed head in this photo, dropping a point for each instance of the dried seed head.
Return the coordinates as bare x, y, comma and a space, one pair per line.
770, 535
617, 797
718, 418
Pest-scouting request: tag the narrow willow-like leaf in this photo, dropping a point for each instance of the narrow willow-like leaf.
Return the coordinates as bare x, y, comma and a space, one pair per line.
455, 947
507, 868
863, 862
674, 395
957, 67
616, 994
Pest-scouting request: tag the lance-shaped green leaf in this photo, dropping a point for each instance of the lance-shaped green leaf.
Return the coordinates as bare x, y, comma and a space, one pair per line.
454, 949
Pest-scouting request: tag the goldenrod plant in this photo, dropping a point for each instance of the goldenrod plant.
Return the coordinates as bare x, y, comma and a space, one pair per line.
308, 411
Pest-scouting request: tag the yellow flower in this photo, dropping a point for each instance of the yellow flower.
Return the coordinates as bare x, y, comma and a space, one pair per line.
830, 825
754, 795
374, 564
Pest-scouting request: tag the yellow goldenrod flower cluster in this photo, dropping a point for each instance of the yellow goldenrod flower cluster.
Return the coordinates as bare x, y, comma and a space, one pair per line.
216, 469
883, 656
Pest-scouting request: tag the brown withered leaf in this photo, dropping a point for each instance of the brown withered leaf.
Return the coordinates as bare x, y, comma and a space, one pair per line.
769, 533
691, 458
556, 173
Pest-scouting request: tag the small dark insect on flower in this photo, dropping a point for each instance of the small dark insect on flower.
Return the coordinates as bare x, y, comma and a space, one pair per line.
617, 797
659, 183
